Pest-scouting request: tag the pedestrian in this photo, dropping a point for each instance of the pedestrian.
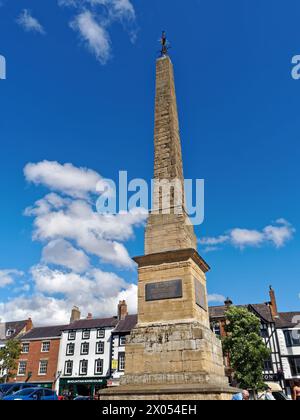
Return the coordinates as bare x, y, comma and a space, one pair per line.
242, 396
296, 392
269, 395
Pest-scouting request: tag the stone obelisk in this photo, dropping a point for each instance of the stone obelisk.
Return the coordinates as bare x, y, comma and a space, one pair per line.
172, 353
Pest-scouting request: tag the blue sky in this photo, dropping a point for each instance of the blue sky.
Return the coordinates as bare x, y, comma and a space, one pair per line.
80, 90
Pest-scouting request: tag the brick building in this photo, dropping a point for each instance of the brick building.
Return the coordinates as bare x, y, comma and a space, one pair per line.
39, 356
11, 331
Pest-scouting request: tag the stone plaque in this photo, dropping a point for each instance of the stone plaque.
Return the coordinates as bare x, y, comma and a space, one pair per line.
164, 290
200, 294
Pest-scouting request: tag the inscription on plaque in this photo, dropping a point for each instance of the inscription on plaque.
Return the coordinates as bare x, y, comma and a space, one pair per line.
164, 290
200, 294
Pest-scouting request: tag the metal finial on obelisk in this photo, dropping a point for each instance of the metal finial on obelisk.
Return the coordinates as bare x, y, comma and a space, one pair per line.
165, 44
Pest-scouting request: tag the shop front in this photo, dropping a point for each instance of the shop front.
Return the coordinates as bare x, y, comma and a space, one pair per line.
83, 387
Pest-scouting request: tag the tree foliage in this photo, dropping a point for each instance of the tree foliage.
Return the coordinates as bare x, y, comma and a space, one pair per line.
245, 347
9, 356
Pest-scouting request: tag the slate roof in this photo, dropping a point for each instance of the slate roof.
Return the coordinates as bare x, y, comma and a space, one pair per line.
262, 310
219, 311
83, 324
44, 332
17, 326
126, 325
288, 320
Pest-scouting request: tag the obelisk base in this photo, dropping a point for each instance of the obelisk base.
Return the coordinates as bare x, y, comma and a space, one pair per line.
173, 361
177, 392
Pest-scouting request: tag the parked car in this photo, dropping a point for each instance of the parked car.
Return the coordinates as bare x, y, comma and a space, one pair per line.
11, 388
32, 394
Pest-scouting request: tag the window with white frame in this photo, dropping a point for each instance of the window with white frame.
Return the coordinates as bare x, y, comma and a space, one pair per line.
122, 340
45, 346
86, 334
25, 348
72, 335
83, 367
85, 348
99, 367
100, 347
68, 368
22, 368
101, 333
43, 367
70, 349
121, 362
292, 338
10, 332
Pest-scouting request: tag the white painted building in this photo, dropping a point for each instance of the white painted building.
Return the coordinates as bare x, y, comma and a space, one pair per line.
84, 361
119, 337
288, 332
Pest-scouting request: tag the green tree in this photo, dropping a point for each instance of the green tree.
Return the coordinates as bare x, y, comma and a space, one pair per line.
9, 356
245, 347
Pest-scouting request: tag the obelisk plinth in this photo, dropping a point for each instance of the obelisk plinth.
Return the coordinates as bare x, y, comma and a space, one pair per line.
172, 353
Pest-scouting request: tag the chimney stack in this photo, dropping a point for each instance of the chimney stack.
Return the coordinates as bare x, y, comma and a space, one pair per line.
273, 303
75, 315
29, 325
228, 302
89, 316
122, 310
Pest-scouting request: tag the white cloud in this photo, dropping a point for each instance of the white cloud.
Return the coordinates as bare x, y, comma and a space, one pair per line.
93, 19
7, 277
30, 23
71, 231
245, 237
47, 310
216, 298
95, 234
60, 252
276, 234
69, 179
279, 234
94, 35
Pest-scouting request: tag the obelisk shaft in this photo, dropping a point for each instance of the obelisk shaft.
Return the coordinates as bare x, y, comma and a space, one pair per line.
168, 225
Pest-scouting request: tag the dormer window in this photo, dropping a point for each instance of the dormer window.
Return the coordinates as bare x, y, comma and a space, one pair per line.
10, 332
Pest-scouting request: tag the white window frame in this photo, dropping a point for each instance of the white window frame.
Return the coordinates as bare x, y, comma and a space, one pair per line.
68, 353
71, 335
101, 333
103, 347
121, 362
80, 367
84, 353
88, 334
25, 344
23, 363
44, 343
70, 362
102, 365
43, 363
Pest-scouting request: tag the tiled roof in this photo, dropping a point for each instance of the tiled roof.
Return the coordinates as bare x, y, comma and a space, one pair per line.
219, 311
44, 332
92, 323
288, 319
126, 325
262, 310
16, 326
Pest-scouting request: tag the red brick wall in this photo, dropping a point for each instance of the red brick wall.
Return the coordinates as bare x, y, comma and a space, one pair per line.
33, 361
